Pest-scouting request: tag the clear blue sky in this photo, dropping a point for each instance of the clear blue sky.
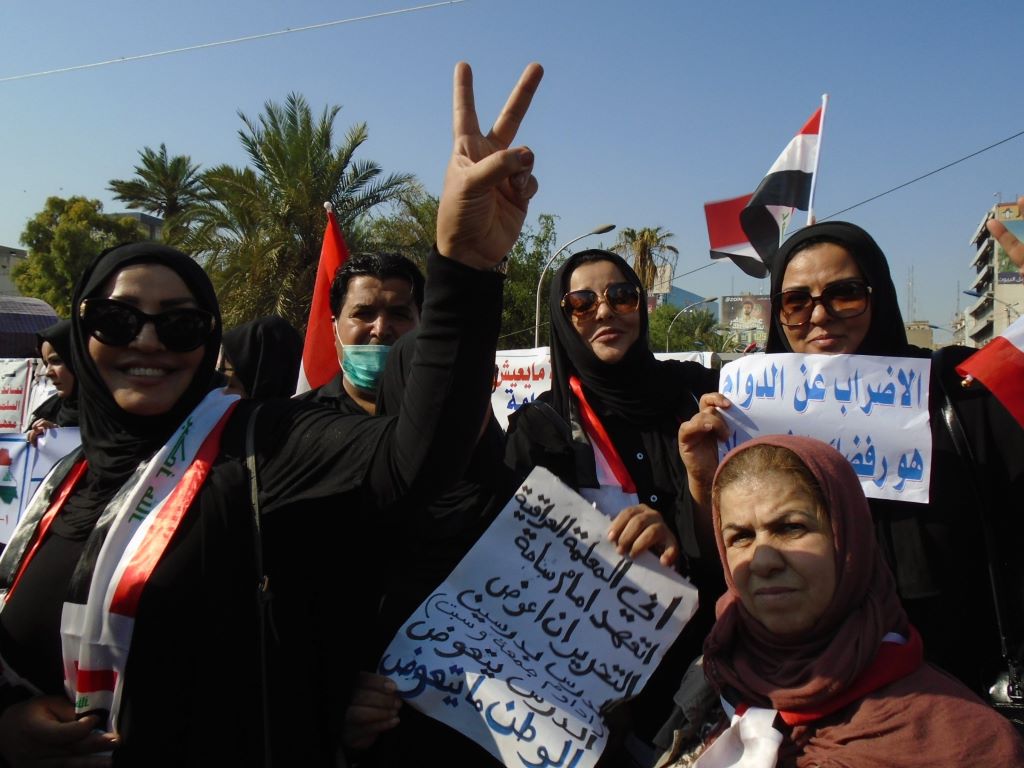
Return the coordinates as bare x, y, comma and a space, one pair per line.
647, 109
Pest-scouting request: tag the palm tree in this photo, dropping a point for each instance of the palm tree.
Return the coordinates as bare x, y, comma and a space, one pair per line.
164, 186
260, 231
646, 246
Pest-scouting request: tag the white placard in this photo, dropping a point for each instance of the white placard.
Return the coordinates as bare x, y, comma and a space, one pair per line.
541, 625
873, 410
520, 375
14, 382
523, 374
23, 467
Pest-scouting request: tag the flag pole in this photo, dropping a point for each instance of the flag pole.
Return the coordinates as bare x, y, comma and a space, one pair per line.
817, 159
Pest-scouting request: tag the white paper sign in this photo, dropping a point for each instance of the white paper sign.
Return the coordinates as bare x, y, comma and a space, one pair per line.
520, 375
873, 410
23, 467
541, 625
14, 382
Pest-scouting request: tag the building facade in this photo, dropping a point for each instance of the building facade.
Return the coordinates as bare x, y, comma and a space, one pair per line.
998, 287
10, 257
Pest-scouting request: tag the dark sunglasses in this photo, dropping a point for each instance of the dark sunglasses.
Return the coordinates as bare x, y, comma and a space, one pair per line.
116, 324
623, 298
842, 300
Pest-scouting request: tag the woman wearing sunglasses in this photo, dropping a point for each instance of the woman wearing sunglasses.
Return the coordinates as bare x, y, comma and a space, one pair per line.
609, 428
148, 606
832, 294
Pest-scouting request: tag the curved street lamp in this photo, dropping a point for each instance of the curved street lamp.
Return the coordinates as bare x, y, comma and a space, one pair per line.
1009, 307
536, 318
684, 309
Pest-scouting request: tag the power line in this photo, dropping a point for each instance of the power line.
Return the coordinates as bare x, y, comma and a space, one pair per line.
925, 176
233, 41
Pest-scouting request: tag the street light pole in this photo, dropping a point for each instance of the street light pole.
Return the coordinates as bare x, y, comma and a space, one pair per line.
1009, 307
684, 309
536, 318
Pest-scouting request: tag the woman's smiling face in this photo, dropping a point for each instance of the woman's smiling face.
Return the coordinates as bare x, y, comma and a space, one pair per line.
144, 377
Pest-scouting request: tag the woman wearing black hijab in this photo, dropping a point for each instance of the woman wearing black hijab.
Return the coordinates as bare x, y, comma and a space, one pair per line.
61, 408
261, 358
832, 293
141, 567
608, 383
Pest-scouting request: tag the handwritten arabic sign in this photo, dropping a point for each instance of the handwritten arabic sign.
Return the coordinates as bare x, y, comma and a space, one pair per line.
540, 626
873, 410
14, 378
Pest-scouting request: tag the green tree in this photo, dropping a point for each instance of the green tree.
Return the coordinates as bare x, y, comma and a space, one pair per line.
409, 227
163, 186
693, 331
261, 229
62, 239
531, 252
647, 247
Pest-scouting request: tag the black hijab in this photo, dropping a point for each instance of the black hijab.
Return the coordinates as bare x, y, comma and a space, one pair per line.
62, 411
637, 387
114, 441
266, 354
887, 334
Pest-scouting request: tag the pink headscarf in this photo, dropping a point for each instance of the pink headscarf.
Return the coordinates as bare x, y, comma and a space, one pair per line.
792, 673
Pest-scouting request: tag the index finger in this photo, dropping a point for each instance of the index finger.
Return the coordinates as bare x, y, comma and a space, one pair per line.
512, 114
464, 120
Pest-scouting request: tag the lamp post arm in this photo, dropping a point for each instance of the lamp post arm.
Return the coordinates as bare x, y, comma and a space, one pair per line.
681, 311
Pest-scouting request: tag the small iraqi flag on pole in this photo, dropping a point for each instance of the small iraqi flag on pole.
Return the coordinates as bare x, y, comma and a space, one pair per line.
319, 357
999, 365
726, 236
788, 185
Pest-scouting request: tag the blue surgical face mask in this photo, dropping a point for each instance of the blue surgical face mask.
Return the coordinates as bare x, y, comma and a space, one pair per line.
363, 364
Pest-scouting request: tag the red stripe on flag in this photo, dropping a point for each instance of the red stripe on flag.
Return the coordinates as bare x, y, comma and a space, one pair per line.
1000, 367
319, 357
723, 218
814, 124
90, 680
125, 601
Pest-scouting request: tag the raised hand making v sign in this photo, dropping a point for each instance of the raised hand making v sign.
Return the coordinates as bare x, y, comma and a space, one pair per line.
487, 186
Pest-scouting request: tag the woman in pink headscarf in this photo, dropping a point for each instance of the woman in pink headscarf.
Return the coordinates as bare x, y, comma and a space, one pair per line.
812, 659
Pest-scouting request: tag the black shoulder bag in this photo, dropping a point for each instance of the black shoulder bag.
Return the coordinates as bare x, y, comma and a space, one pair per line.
1007, 694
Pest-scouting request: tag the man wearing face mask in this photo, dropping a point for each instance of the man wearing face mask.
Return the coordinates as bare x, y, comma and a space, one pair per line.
375, 299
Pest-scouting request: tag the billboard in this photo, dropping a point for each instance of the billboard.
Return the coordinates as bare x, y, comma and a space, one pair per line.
1006, 270
747, 316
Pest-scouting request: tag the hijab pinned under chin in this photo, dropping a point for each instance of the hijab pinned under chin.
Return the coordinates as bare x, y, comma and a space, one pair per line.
627, 388
886, 335
65, 409
114, 440
741, 654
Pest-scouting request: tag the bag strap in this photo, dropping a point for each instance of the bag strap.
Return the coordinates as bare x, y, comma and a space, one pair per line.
1015, 689
263, 594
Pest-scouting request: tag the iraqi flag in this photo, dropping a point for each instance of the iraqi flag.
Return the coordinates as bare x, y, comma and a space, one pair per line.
788, 185
726, 236
999, 365
319, 357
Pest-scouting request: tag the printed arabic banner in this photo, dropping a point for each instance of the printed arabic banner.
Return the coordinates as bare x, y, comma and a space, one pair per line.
23, 467
14, 378
520, 375
541, 625
873, 410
